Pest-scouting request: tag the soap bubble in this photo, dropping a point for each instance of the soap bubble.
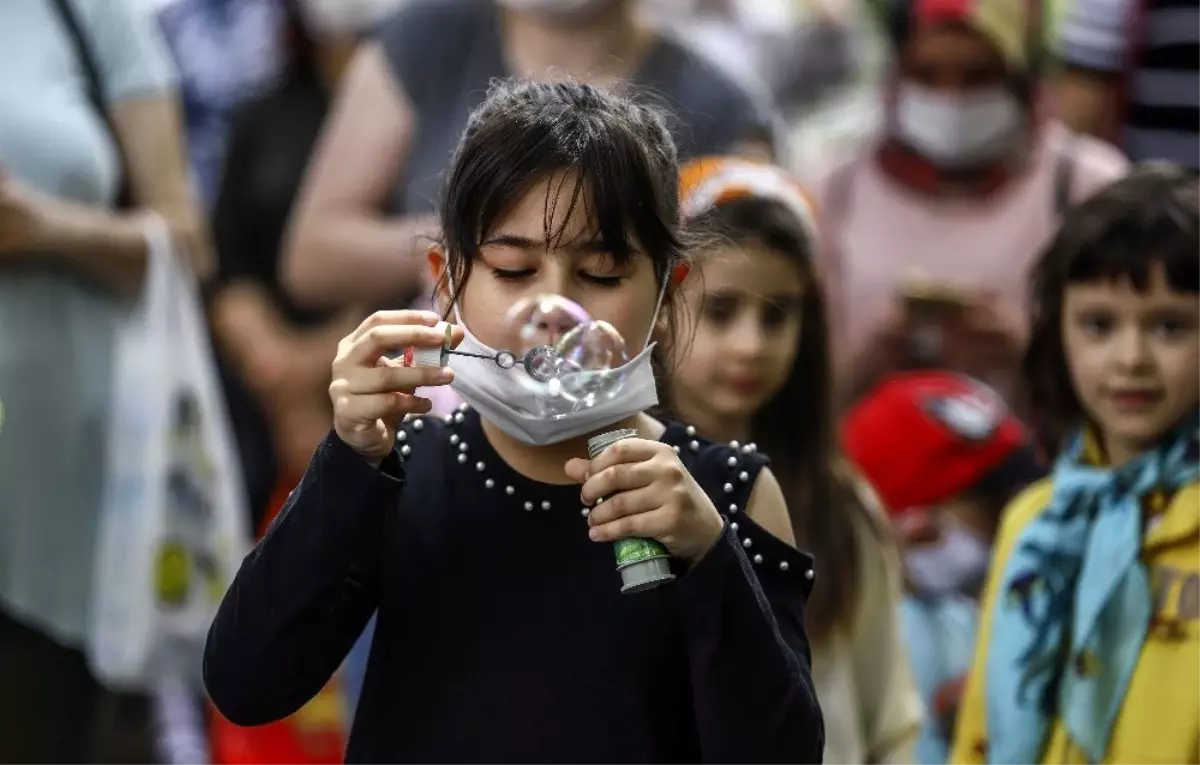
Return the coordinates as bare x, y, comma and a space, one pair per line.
568, 359
592, 357
541, 321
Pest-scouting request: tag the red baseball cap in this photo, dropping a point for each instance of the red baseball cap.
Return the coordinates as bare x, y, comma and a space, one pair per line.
924, 438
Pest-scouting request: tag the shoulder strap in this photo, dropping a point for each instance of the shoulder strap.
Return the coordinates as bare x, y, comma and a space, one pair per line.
84, 50
1064, 173
95, 85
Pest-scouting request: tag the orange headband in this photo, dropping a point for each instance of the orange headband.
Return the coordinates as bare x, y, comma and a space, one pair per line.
710, 181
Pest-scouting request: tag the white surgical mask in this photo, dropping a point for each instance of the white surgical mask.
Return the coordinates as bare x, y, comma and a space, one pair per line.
560, 8
506, 400
957, 563
344, 18
957, 130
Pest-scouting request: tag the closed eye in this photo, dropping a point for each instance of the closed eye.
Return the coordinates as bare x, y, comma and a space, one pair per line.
510, 275
603, 281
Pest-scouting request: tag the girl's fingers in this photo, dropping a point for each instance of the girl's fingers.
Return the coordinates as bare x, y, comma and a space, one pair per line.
629, 450
379, 340
360, 412
577, 470
620, 477
384, 318
623, 505
653, 524
389, 378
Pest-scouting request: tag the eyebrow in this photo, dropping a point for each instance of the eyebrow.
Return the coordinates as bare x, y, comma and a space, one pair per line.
779, 298
516, 241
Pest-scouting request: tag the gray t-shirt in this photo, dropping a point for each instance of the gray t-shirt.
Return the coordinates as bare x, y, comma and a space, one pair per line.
447, 52
57, 329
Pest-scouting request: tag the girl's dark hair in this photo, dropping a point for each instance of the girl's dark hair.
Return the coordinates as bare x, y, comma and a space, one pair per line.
1149, 218
623, 163
795, 428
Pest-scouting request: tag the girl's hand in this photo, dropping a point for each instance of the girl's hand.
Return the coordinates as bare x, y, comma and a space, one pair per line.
372, 393
648, 493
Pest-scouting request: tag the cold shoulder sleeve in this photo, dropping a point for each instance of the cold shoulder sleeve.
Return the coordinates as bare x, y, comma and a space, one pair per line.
742, 608
306, 591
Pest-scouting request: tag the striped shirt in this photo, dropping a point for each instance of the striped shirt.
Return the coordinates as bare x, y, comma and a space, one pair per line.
1154, 45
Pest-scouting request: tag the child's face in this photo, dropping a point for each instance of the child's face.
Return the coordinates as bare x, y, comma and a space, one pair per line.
946, 549
746, 310
1133, 358
516, 262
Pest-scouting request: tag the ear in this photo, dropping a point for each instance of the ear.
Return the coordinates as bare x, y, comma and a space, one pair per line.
435, 259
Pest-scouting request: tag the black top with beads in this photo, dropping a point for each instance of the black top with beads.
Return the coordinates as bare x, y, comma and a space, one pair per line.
502, 633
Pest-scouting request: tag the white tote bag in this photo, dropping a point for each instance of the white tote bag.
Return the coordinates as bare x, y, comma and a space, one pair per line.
174, 527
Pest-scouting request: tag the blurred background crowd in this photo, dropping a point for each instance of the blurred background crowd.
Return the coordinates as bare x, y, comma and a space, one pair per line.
296, 148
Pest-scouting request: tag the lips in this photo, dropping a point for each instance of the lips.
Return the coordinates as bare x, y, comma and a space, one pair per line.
1134, 399
745, 385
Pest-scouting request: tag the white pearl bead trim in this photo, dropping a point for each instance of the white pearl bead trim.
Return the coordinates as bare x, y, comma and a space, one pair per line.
462, 449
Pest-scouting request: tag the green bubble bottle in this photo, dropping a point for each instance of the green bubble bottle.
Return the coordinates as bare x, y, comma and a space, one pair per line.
643, 563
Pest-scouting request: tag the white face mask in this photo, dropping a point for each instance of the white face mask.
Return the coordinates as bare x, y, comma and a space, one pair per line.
559, 8
957, 130
506, 400
957, 563
344, 18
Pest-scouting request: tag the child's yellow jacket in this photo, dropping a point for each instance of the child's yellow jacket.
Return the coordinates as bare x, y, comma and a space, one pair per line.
1160, 722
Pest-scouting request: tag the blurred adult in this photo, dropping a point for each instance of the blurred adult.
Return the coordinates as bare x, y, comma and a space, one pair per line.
931, 228
276, 353
1133, 76
793, 48
364, 215
87, 108
226, 51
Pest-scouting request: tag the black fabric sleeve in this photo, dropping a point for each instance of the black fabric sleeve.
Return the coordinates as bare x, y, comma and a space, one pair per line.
305, 593
742, 608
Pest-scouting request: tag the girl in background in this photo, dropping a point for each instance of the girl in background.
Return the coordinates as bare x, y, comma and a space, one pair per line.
1091, 625
756, 375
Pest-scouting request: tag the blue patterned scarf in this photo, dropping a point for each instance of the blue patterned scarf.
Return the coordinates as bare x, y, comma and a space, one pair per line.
1073, 606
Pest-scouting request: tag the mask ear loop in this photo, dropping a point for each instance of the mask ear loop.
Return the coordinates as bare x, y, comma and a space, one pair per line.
662, 291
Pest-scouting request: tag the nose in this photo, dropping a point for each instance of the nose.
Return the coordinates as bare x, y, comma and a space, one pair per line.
746, 338
554, 277
1132, 349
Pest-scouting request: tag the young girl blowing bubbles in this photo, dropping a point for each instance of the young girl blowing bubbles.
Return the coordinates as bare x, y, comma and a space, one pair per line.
502, 633
756, 372
1090, 638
